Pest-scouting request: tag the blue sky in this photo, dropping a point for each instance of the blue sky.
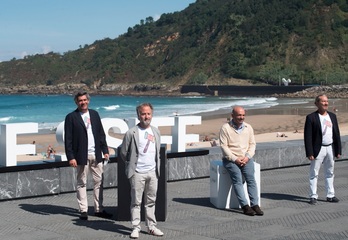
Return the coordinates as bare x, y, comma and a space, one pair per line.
29, 27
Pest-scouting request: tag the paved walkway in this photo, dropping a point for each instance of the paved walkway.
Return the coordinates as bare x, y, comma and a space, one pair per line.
191, 215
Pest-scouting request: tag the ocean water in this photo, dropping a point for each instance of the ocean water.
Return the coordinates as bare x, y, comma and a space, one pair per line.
50, 110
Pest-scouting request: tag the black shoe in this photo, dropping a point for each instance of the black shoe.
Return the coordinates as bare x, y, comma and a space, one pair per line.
83, 216
247, 210
103, 214
313, 201
333, 200
257, 210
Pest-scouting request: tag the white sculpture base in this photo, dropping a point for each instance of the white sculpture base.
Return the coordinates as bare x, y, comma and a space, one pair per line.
222, 194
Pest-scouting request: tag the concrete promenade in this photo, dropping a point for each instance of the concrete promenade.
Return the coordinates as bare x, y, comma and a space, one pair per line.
191, 215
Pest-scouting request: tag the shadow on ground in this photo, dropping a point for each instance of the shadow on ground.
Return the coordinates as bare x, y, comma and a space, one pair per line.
283, 196
95, 223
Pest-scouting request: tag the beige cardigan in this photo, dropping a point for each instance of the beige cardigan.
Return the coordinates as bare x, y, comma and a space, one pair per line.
234, 145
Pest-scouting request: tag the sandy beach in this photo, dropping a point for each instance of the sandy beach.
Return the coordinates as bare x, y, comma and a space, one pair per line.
279, 123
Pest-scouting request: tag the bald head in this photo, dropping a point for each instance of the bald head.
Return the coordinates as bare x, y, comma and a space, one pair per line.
238, 115
237, 109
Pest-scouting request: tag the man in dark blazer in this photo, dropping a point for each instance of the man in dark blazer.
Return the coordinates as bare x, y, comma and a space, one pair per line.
85, 142
322, 143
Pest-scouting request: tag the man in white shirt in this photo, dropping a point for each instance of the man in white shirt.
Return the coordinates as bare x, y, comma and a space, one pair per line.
140, 152
85, 142
322, 143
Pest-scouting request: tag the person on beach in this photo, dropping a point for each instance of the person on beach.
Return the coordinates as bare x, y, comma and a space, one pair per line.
50, 151
238, 146
85, 142
322, 143
140, 150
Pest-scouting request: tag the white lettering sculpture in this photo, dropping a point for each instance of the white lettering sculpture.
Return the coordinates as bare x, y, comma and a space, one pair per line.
9, 149
178, 139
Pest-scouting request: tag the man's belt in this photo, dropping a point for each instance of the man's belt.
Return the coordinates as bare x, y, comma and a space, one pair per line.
326, 145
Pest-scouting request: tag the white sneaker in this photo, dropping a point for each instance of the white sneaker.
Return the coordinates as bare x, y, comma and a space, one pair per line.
155, 232
135, 233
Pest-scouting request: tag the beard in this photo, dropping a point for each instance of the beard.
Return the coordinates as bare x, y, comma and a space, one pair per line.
146, 123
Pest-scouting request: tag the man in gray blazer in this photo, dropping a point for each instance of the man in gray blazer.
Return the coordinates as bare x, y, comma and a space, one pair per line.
84, 144
140, 152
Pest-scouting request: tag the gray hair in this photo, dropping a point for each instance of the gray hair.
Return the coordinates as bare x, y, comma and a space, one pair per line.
79, 94
143, 105
317, 98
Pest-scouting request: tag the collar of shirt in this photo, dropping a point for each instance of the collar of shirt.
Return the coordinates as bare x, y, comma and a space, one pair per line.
235, 127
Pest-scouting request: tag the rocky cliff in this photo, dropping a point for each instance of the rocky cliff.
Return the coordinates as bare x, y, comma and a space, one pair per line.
335, 91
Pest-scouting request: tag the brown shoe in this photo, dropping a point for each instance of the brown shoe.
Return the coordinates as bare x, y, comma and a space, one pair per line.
257, 210
247, 210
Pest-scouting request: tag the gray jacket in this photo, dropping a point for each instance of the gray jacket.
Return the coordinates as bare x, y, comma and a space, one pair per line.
129, 150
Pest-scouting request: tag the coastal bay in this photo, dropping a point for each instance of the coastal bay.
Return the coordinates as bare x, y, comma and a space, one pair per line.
268, 123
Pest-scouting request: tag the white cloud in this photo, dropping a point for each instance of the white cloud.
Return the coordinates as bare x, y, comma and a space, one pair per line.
46, 49
24, 54
156, 17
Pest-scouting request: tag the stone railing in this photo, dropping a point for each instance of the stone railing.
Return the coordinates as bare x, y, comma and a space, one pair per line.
55, 178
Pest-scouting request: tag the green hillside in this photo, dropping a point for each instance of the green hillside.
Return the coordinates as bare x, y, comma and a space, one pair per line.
209, 42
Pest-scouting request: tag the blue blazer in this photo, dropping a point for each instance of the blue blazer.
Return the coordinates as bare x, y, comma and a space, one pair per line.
313, 136
76, 141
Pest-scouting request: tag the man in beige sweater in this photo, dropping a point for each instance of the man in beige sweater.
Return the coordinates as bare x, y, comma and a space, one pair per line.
238, 148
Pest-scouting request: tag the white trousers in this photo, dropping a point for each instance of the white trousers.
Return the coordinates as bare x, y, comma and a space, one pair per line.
326, 158
97, 173
146, 183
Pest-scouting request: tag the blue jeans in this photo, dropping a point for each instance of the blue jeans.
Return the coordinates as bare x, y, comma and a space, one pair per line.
237, 173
